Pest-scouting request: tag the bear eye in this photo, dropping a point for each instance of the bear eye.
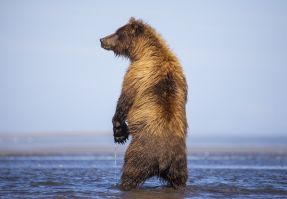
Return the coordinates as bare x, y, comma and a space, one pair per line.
120, 35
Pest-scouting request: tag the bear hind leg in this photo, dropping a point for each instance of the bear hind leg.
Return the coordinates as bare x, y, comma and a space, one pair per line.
176, 175
139, 165
135, 174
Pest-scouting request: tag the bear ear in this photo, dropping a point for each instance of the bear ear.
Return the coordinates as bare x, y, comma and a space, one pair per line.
132, 19
137, 26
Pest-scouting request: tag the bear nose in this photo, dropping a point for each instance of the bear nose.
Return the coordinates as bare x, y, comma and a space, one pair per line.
102, 40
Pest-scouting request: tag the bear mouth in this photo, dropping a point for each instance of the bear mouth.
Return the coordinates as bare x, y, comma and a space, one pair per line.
106, 47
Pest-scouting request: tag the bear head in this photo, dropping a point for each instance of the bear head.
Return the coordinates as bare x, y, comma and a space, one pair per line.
124, 39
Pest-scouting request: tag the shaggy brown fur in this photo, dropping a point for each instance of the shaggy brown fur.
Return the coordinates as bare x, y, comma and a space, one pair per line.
152, 101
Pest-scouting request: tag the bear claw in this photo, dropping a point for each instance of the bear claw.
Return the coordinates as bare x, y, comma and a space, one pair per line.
121, 139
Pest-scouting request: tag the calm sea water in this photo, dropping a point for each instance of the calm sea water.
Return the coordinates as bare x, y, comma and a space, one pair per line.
96, 176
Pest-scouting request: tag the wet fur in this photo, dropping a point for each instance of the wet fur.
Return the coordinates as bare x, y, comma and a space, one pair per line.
152, 101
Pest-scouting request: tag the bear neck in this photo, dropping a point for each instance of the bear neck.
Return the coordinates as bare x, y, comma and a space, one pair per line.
148, 49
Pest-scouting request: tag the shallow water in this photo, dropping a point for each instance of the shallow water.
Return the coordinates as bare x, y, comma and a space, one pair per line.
94, 176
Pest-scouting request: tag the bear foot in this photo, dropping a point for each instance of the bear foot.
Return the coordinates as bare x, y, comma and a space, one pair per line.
125, 186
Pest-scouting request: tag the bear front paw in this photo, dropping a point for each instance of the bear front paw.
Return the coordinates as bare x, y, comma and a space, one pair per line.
120, 132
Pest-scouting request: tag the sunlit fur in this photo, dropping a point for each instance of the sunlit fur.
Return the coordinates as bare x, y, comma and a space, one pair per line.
156, 89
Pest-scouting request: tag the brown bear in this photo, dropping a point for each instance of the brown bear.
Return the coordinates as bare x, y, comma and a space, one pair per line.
151, 107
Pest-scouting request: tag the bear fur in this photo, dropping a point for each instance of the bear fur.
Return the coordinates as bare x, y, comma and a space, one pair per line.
151, 107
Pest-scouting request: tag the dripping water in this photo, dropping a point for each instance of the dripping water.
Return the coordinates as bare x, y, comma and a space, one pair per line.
115, 163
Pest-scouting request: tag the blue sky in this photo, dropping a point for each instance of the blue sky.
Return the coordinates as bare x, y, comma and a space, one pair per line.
55, 77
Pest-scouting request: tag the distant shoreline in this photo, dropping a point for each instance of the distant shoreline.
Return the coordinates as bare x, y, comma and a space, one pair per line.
99, 143
110, 150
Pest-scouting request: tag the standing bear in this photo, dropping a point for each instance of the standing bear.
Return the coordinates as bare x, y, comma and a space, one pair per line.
151, 107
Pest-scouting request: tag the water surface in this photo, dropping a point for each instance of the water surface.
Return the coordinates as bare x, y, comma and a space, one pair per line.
96, 176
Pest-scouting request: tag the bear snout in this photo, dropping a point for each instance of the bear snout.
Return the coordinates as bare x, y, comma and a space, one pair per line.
103, 44
109, 42
102, 40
